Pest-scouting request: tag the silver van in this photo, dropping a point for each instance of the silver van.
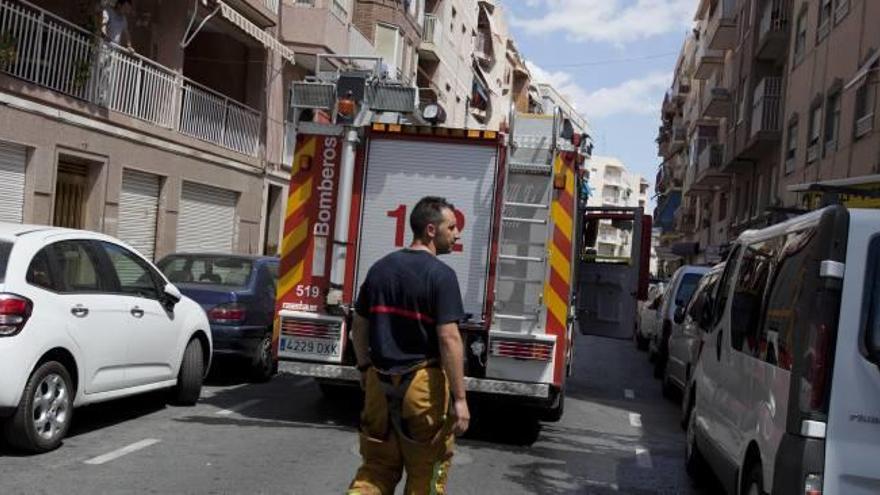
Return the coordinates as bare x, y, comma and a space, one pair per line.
785, 396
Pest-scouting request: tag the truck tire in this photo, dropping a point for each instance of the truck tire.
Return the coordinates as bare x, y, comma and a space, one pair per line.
555, 413
190, 376
694, 462
40, 425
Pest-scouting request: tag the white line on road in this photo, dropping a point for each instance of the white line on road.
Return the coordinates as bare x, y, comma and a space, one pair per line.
116, 454
239, 407
643, 458
635, 420
629, 394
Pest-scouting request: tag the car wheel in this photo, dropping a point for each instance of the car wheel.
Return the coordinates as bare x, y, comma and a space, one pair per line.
190, 376
694, 462
555, 412
753, 483
262, 367
43, 415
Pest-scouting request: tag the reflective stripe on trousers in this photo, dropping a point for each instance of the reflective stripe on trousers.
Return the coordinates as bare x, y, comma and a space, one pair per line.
424, 451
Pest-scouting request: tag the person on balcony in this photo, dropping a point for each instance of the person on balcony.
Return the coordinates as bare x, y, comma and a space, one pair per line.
114, 31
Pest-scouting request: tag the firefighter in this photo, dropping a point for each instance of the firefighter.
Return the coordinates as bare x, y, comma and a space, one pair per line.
410, 354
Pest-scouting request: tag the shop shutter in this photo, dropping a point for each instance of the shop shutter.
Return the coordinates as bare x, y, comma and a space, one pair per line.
207, 219
12, 163
138, 211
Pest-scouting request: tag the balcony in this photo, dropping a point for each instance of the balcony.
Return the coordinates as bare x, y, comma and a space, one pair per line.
766, 123
429, 49
716, 99
773, 30
708, 174
708, 61
721, 32
264, 13
678, 138
612, 179
483, 47
62, 57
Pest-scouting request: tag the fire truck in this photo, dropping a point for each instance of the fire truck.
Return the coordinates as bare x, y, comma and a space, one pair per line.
364, 154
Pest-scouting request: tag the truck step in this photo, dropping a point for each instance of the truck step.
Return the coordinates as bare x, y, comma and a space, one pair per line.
501, 316
530, 168
537, 206
520, 280
540, 221
513, 257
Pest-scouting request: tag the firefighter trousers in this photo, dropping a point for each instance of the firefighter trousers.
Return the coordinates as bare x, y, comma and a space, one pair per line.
418, 439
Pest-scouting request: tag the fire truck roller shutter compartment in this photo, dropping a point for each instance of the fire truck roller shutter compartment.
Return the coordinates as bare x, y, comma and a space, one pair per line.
399, 172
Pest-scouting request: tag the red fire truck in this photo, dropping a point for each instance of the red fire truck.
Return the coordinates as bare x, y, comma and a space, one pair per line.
363, 157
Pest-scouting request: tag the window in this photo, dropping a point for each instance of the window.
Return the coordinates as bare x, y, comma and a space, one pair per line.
722, 207
697, 306
724, 285
340, 8
840, 10
741, 108
824, 27
231, 271
134, 275
748, 296
791, 146
800, 41
832, 122
686, 288
815, 126
388, 46
38, 272
76, 268
5, 249
786, 298
865, 101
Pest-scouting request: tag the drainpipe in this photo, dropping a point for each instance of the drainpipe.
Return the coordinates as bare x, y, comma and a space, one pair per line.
343, 211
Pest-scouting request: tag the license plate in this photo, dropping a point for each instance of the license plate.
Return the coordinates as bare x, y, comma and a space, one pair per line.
301, 345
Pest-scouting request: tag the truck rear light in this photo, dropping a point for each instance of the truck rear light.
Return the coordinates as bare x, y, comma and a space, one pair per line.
813, 484
227, 313
819, 371
14, 313
521, 349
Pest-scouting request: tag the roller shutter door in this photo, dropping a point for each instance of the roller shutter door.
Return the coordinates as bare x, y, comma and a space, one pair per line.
138, 211
399, 173
207, 219
12, 163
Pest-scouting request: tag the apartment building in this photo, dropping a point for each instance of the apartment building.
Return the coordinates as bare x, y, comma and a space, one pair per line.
830, 121
168, 148
611, 184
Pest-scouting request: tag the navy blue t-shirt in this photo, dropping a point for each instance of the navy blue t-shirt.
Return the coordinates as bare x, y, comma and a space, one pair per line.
405, 296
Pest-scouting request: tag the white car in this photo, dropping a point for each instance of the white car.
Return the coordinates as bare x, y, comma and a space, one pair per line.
83, 319
678, 294
786, 392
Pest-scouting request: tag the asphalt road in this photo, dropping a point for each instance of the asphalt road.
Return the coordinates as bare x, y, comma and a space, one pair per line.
617, 436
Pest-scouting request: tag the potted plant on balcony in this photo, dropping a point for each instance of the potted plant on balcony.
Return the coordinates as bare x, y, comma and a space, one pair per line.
8, 50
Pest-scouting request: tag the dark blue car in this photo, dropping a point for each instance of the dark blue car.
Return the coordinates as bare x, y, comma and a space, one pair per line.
238, 294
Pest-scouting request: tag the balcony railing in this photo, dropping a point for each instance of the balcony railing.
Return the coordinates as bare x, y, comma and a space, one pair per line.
55, 54
483, 46
767, 106
272, 5
722, 26
708, 61
433, 29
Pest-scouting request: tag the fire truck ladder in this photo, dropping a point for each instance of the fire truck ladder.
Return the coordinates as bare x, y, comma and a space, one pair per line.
525, 227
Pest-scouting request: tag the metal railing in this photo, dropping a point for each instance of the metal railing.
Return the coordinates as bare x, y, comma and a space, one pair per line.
710, 157
272, 5
432, 30
767, 105
56, 54
483, 44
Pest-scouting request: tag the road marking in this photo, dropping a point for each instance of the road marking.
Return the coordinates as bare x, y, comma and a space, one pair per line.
602, 484
238, 407
629, 394
635, 420
643, 458
116, 454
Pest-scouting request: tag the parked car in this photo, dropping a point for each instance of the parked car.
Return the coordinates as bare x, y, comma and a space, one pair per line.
786, 392
684, 341
678, 293
84, 318
238, 294
649, 313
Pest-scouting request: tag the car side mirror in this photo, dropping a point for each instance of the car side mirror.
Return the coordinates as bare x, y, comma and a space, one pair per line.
172, 295
678, 317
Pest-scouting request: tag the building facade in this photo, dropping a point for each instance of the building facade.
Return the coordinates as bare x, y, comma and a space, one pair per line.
612, 185
168, 148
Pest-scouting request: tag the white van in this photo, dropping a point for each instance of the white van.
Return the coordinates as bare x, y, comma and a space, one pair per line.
786, 392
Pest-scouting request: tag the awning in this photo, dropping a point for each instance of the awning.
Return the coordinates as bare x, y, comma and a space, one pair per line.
232, 15
664, 216
863, 70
